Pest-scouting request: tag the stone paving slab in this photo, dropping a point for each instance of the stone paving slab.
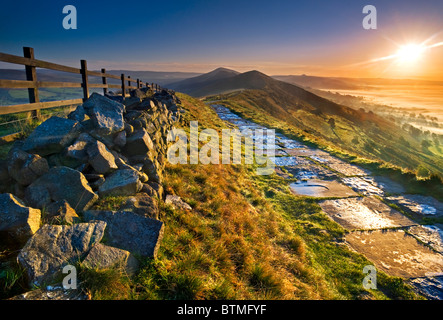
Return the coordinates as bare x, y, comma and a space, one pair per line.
423, 205
396, 253
430, 287
362, 186
431, 235
364, 213
311, 171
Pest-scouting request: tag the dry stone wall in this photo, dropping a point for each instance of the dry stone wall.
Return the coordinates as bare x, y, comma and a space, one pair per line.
106, 147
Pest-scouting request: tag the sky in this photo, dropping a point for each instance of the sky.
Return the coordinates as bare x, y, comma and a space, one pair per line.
323, 38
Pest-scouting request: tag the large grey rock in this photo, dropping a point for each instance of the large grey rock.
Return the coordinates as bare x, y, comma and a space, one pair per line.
102, 256
138, 143
123, 182
106, 114
54, 246
25, 168
61, 183
52, 136
17, 222
130, 231
100, 158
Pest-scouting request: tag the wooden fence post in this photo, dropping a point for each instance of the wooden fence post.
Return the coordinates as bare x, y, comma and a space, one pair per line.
104, 82
31, 75
123, 85
138, 83
84, 73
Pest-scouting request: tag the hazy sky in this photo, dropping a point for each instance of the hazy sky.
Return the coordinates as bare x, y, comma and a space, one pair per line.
276, 37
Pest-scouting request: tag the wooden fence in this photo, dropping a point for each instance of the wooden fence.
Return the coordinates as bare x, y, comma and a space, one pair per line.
32, 83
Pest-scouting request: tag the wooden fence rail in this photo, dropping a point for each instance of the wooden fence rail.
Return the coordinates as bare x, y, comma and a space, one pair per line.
33, 84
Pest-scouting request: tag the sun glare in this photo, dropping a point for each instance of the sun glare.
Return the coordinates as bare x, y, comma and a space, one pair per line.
410, 53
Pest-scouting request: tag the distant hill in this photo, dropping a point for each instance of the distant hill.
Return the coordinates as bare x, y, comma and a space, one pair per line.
278, 98
202, 84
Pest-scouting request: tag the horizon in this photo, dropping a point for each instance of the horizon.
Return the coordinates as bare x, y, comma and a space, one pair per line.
286, 38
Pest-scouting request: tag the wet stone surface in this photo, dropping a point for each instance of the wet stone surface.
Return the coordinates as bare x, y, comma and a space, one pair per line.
394, 243
423, 205
321, 189
364, 213
429, 235
397, 253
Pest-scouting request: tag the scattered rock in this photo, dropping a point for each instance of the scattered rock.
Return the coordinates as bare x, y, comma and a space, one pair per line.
177, 202
17, 222
130, 231
54, 246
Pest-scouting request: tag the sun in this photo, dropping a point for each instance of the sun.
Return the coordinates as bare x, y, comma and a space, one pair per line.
410, 53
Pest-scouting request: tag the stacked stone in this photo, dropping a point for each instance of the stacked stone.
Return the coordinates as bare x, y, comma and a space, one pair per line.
108, 146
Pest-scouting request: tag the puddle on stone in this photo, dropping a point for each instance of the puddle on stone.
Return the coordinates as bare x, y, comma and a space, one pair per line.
423, 205
289, 161
396, 253
364, 213
321, 189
